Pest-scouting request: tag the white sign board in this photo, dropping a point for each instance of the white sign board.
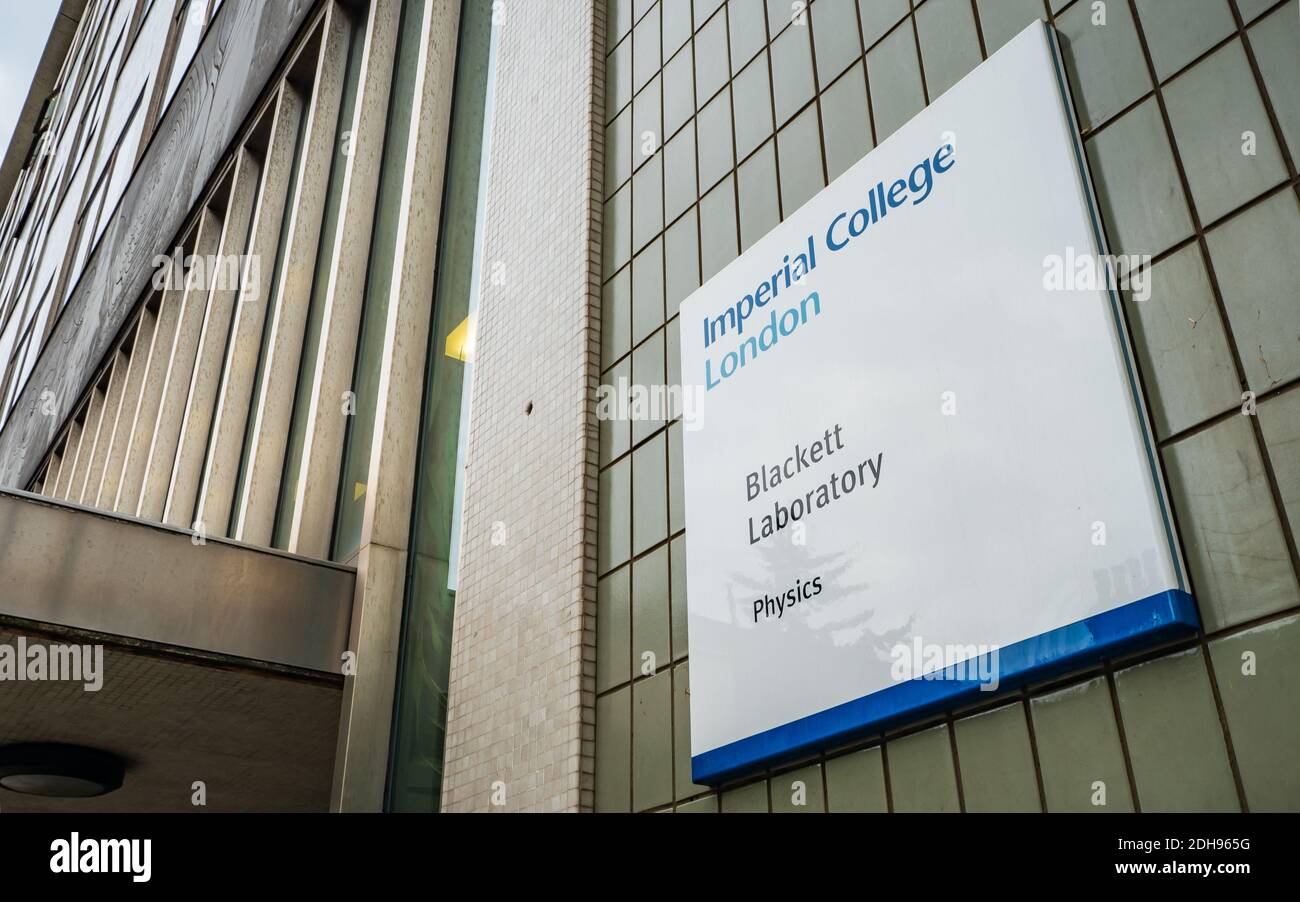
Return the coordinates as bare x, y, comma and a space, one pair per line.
920, 467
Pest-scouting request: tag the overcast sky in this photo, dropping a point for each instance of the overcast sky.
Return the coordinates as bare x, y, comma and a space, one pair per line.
26, 25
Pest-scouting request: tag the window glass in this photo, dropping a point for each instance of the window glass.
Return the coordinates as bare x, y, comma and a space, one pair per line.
187, 43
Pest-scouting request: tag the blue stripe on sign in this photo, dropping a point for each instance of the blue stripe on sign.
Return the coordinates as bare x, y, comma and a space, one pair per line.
1161, 617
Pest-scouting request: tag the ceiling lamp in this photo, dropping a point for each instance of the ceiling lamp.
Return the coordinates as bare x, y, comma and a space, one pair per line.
58, 770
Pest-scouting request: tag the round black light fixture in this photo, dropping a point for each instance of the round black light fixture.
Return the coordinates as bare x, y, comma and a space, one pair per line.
58, 770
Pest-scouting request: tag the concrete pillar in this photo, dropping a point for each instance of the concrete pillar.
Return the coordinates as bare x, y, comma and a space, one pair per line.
86, 449
322, 451
104, 431
151, 392
221, 469
70, 450
52, 475
273, 414
180, 369
361, 762
137, 349
201, 400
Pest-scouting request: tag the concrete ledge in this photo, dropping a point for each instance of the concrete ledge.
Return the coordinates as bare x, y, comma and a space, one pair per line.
69, 565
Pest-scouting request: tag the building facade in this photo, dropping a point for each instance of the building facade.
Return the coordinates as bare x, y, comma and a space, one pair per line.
305, 308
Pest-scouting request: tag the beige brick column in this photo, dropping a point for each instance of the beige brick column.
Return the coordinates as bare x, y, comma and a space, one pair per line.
522, 692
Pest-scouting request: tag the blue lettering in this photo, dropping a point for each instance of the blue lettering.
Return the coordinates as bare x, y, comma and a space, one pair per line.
944, 154
830, 233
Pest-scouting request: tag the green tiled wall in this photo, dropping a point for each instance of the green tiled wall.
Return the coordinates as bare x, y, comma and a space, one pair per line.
997, 761
747, 110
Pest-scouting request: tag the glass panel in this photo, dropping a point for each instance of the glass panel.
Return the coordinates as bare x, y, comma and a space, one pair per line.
123, 165
11, 389
104, 116
27, 354
186, 45
89, 218
137, 72
8, 337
